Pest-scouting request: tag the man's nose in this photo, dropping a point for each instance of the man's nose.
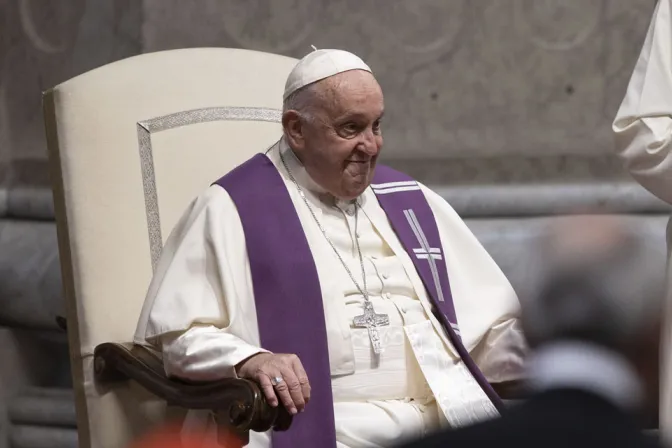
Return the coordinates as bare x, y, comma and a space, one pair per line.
368, 143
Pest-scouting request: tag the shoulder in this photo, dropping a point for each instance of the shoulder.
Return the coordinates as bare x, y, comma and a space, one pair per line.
255, 169
438, 203
214, 196
212, 203
386, 176
206, 216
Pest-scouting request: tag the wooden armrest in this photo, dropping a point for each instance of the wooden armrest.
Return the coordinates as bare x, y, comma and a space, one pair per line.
240, 401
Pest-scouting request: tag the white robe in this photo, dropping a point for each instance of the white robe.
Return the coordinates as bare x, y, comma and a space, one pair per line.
200, 310
643, 130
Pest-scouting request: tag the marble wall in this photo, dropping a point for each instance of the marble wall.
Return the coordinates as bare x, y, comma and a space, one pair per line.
488, 91
42, 44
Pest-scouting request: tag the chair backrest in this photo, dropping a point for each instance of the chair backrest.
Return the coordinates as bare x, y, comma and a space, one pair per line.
130, 145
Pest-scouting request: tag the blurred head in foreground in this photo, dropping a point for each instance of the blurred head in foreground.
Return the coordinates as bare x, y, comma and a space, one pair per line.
599, 285
171, 435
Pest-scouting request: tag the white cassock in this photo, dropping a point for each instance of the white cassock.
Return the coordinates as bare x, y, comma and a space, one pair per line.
200, 311
643, 129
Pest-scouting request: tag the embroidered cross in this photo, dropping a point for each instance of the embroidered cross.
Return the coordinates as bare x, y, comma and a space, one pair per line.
434, 253
431, 254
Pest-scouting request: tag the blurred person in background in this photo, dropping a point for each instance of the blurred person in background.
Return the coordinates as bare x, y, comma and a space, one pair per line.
593, 325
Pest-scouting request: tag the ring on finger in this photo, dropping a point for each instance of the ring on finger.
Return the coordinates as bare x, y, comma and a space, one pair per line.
276, 380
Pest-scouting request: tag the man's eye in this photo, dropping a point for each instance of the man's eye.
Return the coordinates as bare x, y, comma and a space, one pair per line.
376, 127
350, 128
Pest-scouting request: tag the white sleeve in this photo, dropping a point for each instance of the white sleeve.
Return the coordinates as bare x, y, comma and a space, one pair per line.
204, 354
643, 124
199, 310
501, 353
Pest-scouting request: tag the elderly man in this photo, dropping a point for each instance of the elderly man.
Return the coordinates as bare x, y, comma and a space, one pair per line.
643, 129
325, 278
593, 323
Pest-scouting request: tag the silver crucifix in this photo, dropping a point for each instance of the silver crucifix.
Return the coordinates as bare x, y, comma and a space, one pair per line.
371, 321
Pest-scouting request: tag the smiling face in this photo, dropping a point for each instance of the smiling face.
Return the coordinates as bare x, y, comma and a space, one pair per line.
338, 137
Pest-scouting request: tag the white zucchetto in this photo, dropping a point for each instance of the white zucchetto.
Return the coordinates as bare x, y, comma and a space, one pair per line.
321, 64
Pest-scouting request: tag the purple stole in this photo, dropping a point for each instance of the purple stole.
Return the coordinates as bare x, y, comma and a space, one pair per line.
287, 289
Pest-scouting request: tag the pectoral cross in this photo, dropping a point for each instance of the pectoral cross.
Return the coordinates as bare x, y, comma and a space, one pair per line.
371, 321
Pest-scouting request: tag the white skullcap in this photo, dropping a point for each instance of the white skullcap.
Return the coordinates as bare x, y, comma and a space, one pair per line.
321, 64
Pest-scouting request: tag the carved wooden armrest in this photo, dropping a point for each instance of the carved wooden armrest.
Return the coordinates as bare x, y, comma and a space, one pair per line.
239, 402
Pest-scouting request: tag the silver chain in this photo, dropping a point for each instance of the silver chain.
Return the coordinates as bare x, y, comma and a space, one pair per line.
363, 291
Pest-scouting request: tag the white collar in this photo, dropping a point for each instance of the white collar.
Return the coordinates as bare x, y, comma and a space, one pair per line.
588, 367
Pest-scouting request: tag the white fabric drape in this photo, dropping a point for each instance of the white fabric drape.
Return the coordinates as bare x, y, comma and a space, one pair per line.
643, 131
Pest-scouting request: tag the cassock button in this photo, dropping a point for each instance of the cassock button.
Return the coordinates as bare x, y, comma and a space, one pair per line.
388, 295
350, 211
386, 275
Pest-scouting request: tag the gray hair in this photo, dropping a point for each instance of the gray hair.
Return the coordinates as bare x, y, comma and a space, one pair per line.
609, 294
302, 101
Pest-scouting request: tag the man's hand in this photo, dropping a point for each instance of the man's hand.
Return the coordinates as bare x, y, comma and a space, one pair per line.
291, 387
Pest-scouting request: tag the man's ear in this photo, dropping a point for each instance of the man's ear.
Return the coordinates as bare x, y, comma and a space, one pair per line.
293, 126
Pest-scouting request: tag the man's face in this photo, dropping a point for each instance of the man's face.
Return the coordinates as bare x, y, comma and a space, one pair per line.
340, 142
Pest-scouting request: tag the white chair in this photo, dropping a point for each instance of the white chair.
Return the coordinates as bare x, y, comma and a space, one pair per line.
130, 145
